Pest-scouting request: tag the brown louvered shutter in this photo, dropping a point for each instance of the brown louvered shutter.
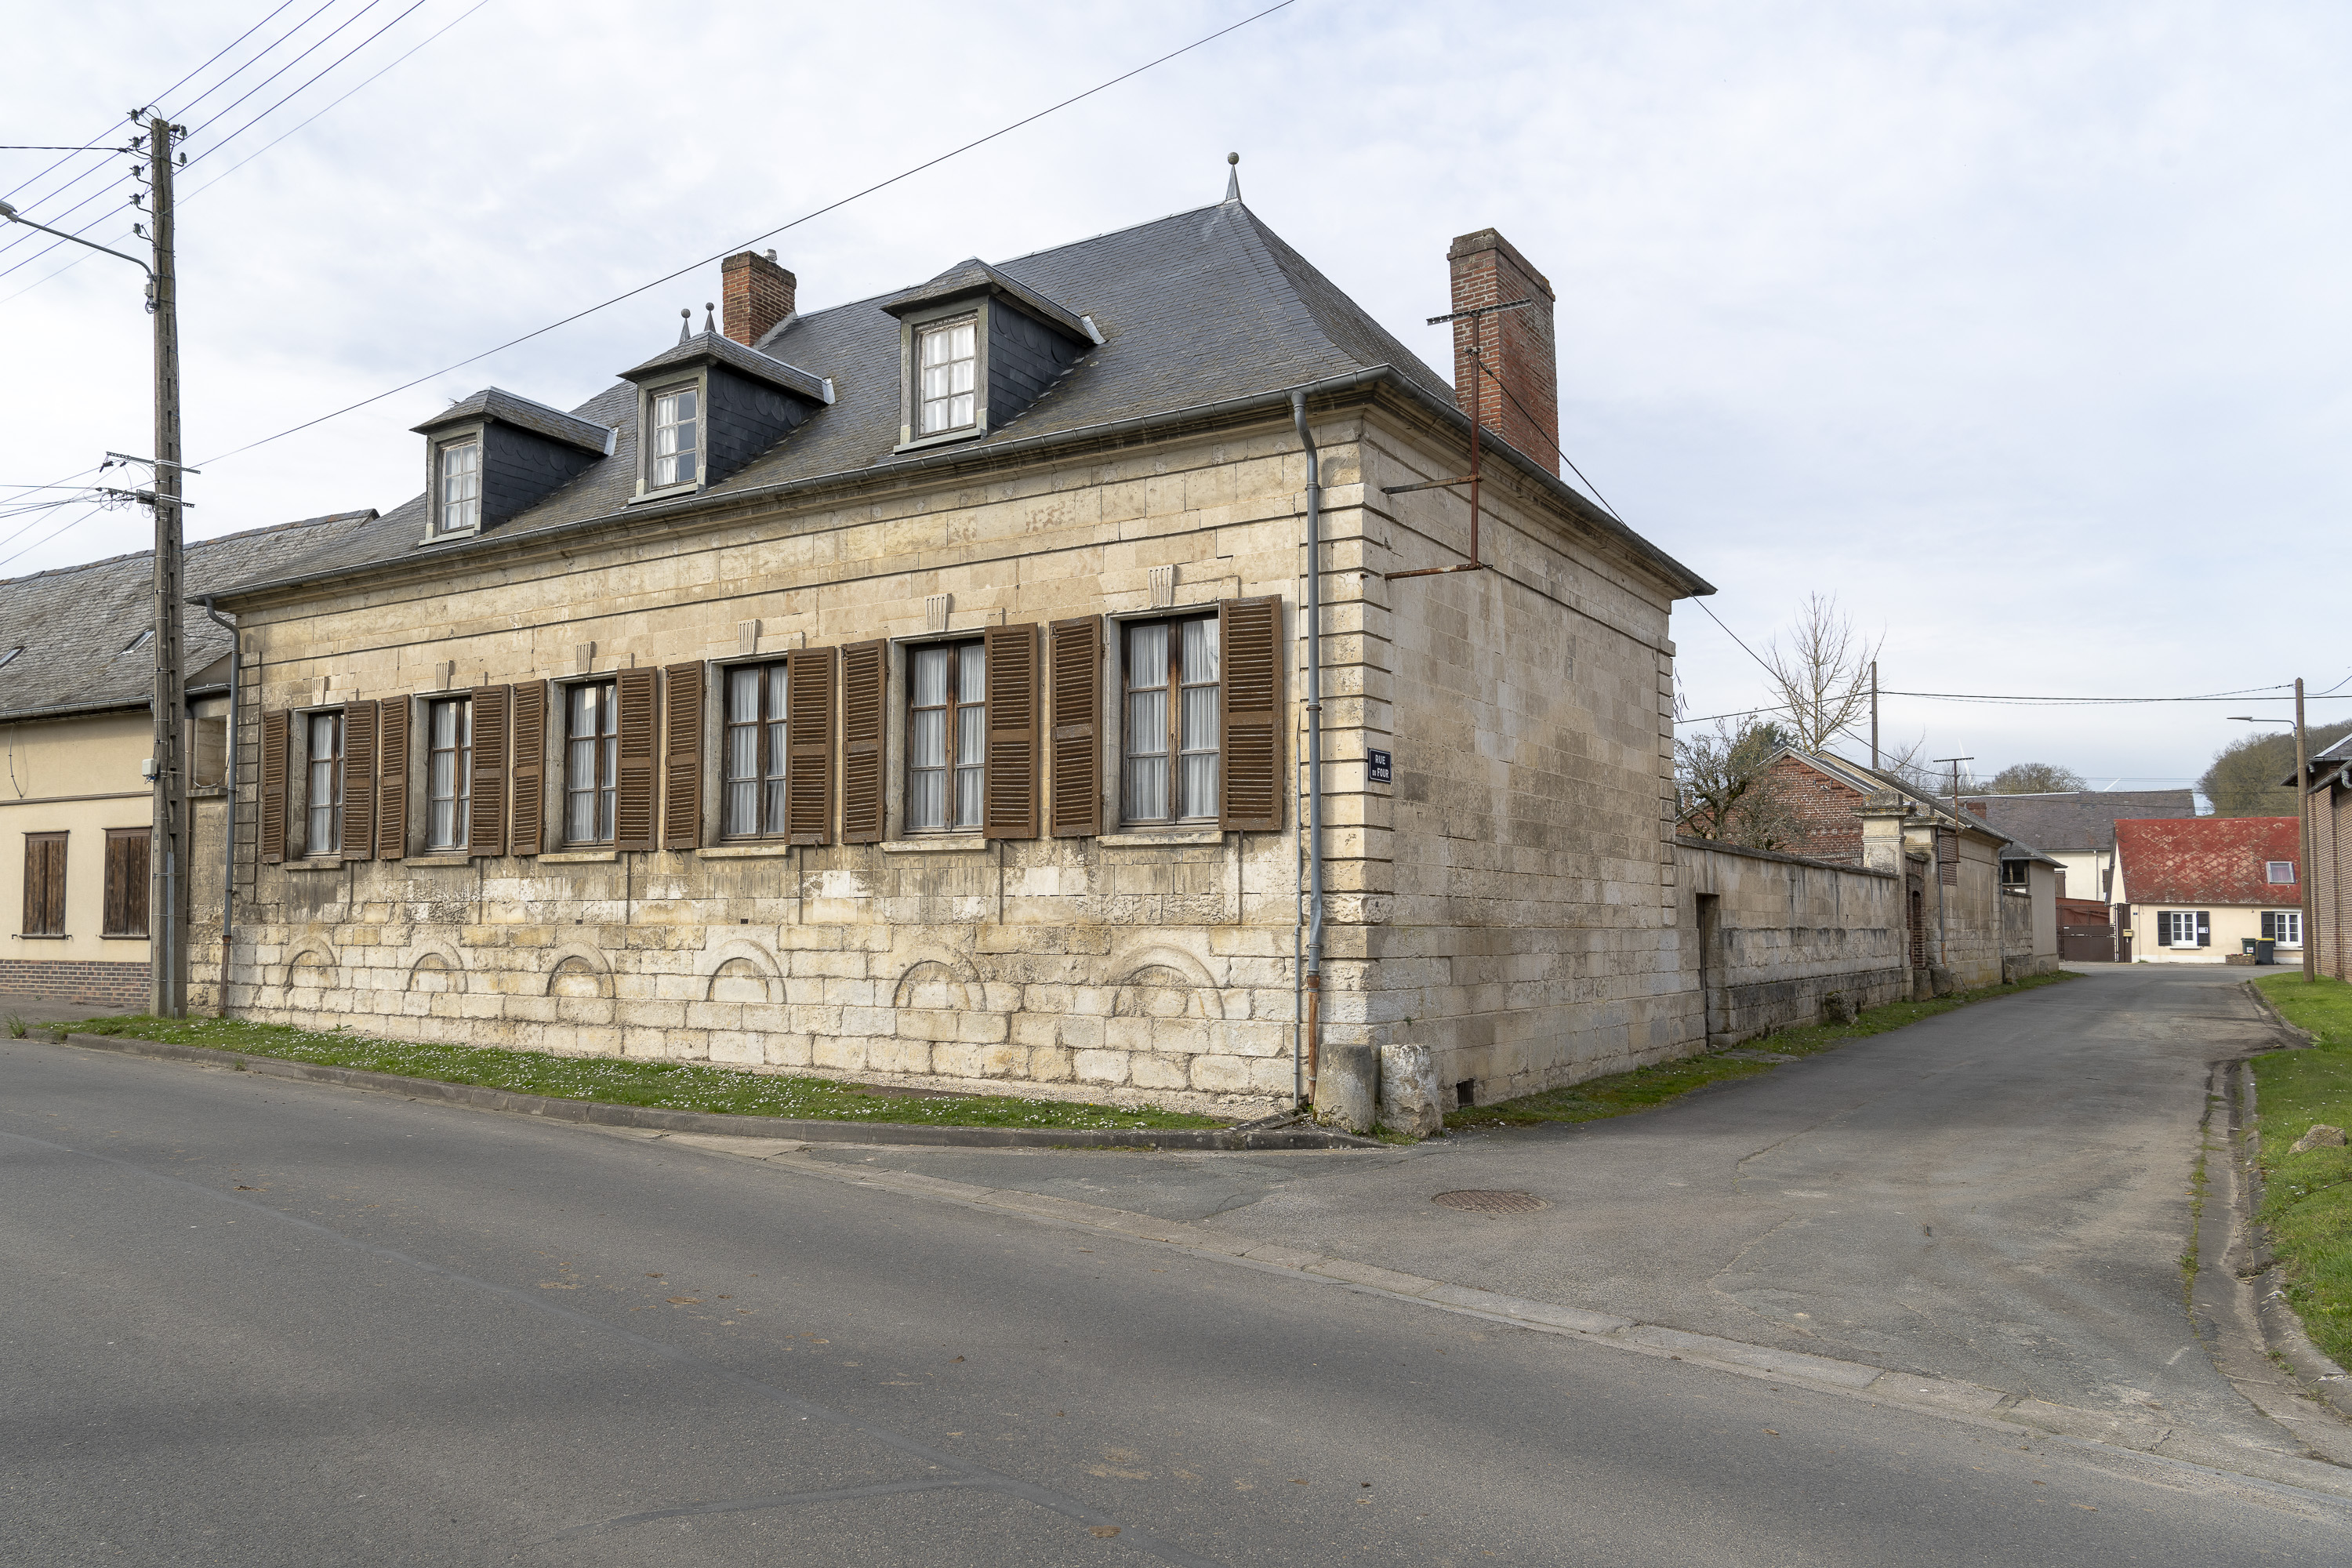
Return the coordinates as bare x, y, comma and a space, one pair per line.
1249, 633
486, 827
359, 781
527, 766
1008, 786
808, 734
1076, 743
865, 700
634, 780
391, 780
273, 785
682, 759
115, 916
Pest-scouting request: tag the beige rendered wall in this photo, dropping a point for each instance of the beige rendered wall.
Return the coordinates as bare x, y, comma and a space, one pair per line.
2232, 923
80, 776
1774, 937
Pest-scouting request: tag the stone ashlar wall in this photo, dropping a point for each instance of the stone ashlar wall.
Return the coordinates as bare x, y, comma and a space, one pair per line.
1776, 937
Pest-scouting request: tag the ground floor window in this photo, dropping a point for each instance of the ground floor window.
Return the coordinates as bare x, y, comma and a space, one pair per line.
2284, 926
591, 763
449, 773
45, 884
2184, 928
125, 913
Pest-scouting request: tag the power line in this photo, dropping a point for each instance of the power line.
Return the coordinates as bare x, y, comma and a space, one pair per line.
770, 234
282, 102
316, 46
259, 54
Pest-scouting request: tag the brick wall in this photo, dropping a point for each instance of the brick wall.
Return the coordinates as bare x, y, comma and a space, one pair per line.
1824, 811
62, 980
1520, 399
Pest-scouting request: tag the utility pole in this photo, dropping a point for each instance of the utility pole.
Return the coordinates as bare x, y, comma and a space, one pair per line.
170, 861
1943, 953
1873, 715
2303, 840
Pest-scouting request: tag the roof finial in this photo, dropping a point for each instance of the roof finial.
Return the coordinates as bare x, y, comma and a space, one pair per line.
708, 325
685, 319
1234, 179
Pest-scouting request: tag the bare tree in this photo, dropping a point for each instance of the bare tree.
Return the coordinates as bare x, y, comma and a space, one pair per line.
1727, 790
1822, 675
1909, 762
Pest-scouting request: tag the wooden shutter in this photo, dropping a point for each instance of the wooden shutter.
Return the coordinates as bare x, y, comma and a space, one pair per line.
808, 735
392, 779
1009, 781
1249, 699
2204, 929
486, 828
274, 726
1075, 744
45, 884
638, 761
359, 781
126, 881
115, 913
682, 759
527, 766
865, 707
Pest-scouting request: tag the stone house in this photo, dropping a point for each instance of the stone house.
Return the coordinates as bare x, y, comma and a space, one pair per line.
918, 688
77, 812
2196, 891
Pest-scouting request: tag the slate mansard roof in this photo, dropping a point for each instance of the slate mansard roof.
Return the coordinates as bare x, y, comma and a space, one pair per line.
2079, 819
1197, 310
2207, 860
77, 624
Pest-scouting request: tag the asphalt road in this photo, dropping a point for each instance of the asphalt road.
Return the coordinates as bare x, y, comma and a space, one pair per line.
254, 1323
2001, 1194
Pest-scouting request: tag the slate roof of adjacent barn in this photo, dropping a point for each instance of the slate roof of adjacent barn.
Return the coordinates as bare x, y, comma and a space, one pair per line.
77, 626
1197, 309
2204, 860
2079, 819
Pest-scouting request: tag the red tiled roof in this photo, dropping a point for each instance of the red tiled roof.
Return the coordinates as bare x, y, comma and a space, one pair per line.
2205, 859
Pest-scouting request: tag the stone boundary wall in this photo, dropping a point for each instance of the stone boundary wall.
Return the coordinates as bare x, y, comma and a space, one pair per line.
1786, 938
76, 980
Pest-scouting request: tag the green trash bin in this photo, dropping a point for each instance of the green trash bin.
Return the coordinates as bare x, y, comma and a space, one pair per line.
2265, 949
2250, 942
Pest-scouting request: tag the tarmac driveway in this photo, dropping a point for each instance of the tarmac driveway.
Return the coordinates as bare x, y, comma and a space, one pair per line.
2000, 1193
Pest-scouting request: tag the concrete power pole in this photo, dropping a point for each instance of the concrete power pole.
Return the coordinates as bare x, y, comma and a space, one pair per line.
170, 861
2303, 839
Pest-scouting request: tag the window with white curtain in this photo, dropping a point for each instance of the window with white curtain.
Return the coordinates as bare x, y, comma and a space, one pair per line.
677, 439
754, 753
1170, 756
947, 736
449, 772
324, 833
591, 763
461, 487
948, 357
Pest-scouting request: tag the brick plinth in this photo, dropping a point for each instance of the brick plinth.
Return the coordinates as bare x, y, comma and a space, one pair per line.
60, 980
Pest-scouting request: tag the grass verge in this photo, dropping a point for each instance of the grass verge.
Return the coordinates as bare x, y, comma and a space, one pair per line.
2307, 1197
1621, 1094
666, 1086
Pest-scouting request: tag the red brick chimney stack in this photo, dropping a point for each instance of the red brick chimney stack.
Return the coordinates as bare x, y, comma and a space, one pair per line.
1516, 346
758, 294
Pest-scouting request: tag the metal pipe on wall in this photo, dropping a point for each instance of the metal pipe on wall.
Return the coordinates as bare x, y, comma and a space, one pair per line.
228, 802
1314, 737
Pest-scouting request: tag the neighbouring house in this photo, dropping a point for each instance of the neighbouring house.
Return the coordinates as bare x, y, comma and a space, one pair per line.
2327, 785
916, 688
1982, 905
2077, 828
2197, 889
76, 813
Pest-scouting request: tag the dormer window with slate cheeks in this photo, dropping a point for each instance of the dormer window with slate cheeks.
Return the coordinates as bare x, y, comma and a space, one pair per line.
494, 455
976, 348
709, 405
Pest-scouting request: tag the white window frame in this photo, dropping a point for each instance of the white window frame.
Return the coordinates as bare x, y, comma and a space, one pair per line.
2173, 923
442, 503
763, 732
317, 770
693, 453
2270, 870
1168, 760
603, 752
961, 769
460, 797
950, 396
2279, 921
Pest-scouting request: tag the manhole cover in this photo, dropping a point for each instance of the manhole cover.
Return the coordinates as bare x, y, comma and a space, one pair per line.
1490, 1203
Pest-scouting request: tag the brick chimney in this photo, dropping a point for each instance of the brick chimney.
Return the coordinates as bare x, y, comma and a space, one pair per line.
756, 294
1516, 346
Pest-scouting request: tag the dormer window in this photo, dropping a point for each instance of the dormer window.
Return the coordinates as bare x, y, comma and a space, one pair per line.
950, 355
461, 488
677, 443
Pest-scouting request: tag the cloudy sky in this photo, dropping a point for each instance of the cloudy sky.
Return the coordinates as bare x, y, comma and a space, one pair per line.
2018, 327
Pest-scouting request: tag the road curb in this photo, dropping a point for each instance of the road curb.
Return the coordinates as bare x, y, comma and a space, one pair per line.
797, 1128
2303, 1037
2279, 1325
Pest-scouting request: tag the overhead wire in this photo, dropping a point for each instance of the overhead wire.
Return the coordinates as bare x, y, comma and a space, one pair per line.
781, 228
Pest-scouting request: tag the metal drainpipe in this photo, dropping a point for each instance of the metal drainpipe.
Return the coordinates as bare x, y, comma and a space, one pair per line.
229, 801
1313, 739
